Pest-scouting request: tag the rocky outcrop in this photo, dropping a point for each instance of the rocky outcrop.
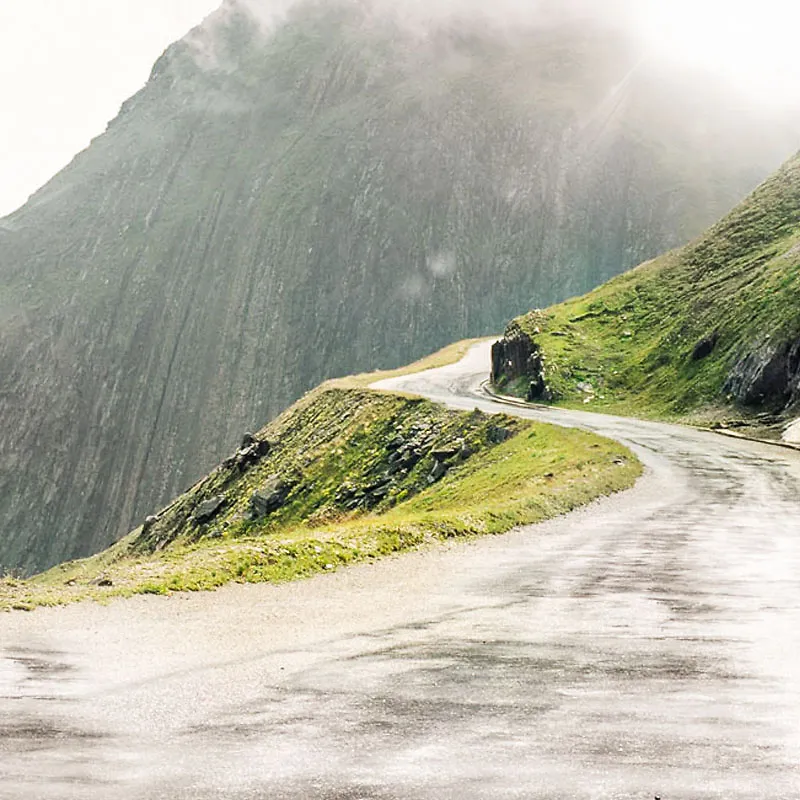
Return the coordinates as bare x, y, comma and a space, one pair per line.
251, 451
705, 347
767, 377
335, 454
208, 509
208, 500
516, 356
270, 497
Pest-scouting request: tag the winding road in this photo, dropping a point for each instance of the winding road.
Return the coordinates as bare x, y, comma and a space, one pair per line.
649, 644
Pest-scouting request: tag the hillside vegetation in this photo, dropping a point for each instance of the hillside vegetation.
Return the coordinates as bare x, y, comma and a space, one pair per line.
345, 475
330, 193
706, 332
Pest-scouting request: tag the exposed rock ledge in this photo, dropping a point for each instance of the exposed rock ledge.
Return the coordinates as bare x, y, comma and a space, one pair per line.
518, 357
767, 377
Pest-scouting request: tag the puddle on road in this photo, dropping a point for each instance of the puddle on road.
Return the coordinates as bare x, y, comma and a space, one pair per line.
34, 674
45, 750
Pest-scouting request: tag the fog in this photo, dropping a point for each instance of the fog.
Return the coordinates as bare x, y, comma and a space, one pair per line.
72, 66
420, 15
751, 43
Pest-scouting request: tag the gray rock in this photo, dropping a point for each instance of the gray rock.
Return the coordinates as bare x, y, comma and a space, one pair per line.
511, 356
396, 468
517, 355
539, 391
767, 376
498, 435
446, 453
438, 472
374, 496
208, 509
270, 498
149, 523
251, 453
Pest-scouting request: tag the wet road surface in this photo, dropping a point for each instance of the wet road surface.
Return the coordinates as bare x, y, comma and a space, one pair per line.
649, 644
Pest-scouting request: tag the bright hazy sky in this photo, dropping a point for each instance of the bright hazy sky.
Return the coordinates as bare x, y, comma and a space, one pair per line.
66, 66
754, 42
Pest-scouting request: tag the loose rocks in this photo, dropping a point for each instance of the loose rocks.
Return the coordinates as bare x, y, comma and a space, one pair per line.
208, 509
270, 498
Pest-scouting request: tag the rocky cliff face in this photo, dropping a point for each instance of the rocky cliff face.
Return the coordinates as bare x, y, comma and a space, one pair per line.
329, 193
767, 376
517, 361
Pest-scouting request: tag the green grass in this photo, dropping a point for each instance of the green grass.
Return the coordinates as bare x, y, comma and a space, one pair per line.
506, 472
632, 339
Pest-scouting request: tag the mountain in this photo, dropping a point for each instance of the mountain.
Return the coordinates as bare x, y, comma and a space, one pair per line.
333, 189
709, 331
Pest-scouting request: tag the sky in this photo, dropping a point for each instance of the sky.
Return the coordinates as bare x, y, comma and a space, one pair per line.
752, 42
66, 66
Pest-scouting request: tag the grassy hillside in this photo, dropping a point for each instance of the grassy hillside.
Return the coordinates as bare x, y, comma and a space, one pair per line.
345, 475
710, 330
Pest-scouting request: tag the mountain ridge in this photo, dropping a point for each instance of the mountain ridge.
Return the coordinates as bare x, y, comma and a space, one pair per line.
320, 200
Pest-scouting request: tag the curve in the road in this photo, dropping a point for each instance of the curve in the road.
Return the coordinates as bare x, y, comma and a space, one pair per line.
646, 645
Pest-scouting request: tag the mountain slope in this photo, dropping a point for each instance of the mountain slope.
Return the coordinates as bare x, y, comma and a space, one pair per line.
337, 192
714, 324
345, 475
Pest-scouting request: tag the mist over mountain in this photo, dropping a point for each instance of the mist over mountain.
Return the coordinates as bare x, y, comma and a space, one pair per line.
316, 188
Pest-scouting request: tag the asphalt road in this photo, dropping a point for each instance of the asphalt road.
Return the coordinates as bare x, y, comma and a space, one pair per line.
646, 645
